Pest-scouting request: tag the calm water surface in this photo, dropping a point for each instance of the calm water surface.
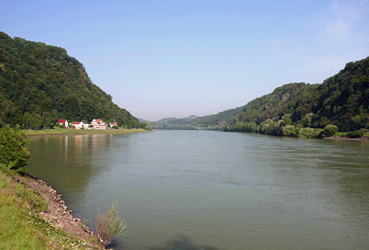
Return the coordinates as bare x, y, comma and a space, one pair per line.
212, 190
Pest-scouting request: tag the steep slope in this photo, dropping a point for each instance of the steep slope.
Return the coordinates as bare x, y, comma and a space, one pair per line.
40, 83
342, 100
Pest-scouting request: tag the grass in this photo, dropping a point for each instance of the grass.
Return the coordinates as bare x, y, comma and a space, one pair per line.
62, 131
21, 227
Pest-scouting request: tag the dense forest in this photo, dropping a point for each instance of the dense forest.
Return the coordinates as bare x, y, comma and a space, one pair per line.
40, 83
341, 100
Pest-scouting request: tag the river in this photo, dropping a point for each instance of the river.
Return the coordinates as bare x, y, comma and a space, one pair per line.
193, 190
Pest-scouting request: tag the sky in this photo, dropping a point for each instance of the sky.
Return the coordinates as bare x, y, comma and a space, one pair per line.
176, 58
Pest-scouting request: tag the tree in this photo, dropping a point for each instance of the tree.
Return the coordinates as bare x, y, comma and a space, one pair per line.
287, 119
14, 151
329, 130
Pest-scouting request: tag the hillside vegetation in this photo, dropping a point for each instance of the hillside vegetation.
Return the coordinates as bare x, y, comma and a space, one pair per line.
40, 83
193, 122
341, 100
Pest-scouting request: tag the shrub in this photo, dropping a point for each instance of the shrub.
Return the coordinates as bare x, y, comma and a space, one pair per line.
330, 130
356, 134
109, 224
289, 130
14, 151
307, 133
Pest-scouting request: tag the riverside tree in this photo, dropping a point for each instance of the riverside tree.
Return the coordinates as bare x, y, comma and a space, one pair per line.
14, 152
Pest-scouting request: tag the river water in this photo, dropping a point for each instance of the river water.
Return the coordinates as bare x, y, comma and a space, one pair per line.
192, 190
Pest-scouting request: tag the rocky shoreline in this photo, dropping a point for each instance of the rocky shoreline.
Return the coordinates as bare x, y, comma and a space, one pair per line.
364, 138
59, 214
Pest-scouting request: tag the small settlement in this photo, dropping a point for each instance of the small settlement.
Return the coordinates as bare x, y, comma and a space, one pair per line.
94, 124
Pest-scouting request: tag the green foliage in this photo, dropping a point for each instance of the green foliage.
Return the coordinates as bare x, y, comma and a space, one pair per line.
290, 130
307, 133
213, 122
146, 126
328, 131
287, 119
14, 151
40, 84
342, 100
109, 224
356, 134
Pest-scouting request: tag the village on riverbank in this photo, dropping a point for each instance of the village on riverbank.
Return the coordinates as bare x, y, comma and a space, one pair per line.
94, 124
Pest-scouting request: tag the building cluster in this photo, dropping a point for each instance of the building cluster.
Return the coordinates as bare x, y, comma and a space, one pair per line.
94, 124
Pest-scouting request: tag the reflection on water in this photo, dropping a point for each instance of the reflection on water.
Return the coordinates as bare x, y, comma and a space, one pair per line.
220, 190
68, 161
181, 242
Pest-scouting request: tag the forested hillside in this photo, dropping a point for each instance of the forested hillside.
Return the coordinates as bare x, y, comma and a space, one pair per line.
193, 122
40, 83
342, 100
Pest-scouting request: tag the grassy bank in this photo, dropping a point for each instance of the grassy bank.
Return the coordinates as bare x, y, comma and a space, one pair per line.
28, 222
61, 131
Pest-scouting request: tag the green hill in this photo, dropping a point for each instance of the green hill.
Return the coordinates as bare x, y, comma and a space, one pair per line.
40, 83
194, 122
341, 100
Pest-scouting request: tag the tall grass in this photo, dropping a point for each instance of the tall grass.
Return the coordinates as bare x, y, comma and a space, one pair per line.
109, 224
21, 226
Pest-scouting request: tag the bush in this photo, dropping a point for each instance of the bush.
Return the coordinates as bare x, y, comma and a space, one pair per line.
329, 130
289, 130
307, 133
14, 151
109, 224
356, 134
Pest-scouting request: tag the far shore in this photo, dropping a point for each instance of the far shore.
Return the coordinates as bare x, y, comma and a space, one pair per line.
54, 132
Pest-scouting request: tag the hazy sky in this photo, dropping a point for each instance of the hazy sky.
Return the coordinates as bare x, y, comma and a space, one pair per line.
196, 57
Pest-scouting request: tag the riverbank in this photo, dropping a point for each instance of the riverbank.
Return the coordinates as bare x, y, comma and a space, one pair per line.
364, 138
33, 216
61, 131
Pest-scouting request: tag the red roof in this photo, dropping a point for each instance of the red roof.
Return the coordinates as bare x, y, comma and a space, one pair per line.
76, 123
61, 121
98, 121
114, 124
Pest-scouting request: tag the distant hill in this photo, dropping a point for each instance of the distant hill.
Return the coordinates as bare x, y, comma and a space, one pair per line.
342, 100
142, 120
195, 122
40, 83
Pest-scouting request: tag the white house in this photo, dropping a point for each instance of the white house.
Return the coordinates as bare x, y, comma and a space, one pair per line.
98, 124
62, 122
77, 125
